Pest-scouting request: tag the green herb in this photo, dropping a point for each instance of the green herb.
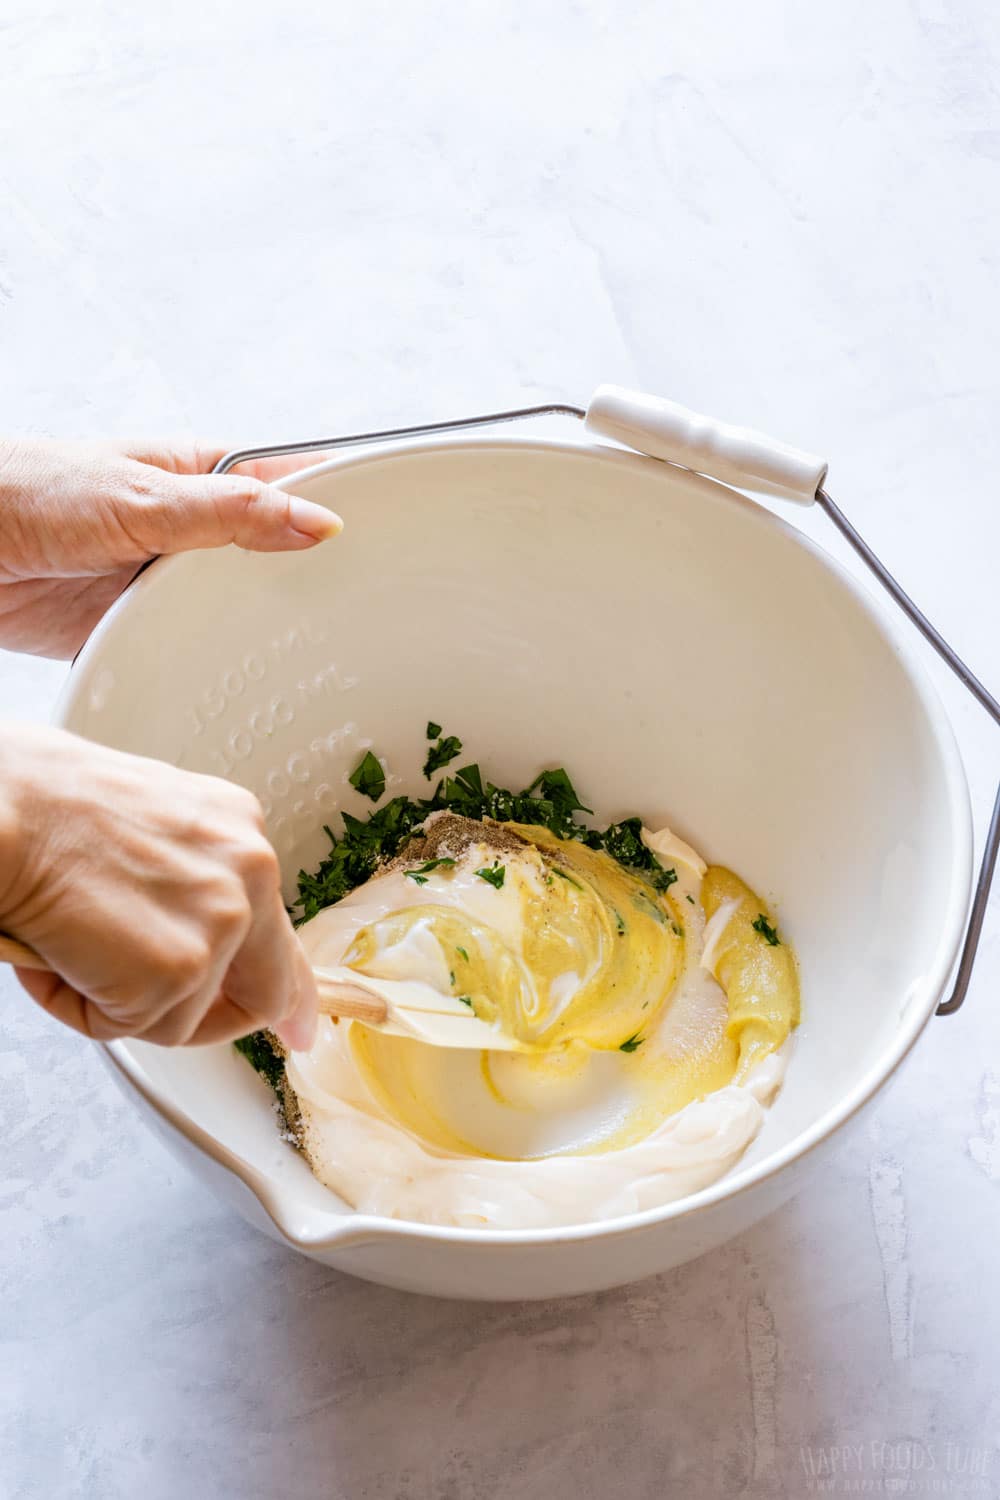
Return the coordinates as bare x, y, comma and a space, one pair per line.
632, 1043
767, 932
677, 929
260, 1054
556, 787
652, 908
619, 920
551, 801
692, 900
355, 856
494, 875
469, 782
465, 1000
368, 778
568, 878
451, 975
441, 754
623, 841
433, 730
421, 873
462, 954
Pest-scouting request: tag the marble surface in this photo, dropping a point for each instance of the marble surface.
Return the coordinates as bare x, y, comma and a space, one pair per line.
281, 220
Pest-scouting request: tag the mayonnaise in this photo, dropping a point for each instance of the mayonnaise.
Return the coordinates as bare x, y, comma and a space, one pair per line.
502, 1141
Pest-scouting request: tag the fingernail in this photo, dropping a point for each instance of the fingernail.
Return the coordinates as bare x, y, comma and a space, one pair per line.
312, 520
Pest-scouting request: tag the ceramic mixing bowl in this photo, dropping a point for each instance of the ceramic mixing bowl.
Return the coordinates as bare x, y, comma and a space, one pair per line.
684, 652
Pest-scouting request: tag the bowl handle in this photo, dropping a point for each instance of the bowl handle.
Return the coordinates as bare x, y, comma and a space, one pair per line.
736, 455
357, 439
983, 697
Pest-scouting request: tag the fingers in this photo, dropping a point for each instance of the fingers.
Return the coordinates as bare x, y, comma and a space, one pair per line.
172, 1027
190, 457
224, 1021
299, 1032
251, 975
154, 895
183, 456
169, 501
173, 513
271, 469
57, 999
270, 977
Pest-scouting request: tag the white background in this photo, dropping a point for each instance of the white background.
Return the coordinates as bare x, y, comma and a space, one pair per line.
268, 220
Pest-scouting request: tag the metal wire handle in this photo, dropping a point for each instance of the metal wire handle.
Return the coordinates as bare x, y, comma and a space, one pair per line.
985, 699
317, 445
916, 616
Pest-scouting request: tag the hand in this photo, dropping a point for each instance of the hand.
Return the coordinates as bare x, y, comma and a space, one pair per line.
77, 520
153, 893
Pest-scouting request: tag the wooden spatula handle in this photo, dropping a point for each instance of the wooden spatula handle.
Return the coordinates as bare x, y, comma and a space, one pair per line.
351, 1001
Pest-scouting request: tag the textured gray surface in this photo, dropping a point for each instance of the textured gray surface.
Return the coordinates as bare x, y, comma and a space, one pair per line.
268, 221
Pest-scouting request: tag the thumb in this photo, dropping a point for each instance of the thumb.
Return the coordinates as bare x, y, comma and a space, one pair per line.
186, 511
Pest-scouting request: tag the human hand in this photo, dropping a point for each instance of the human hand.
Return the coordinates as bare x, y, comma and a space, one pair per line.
77, 520
151, 892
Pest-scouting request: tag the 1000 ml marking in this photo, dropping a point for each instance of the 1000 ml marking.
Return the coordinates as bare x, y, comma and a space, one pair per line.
262, 722
289, 787
241, 742
220, 694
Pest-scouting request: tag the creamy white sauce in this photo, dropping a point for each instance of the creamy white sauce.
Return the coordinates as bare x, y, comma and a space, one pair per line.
359, 1150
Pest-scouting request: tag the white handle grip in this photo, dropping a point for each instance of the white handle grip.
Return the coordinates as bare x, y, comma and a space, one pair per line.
736, 455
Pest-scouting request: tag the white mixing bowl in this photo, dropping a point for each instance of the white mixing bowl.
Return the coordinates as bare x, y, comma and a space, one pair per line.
684, 653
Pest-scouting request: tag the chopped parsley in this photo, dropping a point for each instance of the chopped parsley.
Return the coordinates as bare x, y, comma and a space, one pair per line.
462, 954
260, 1054
624, 842
568, 878
556, 787
551, 802
692, 900
644, 903
493, 874
368, 777
355, 856
767, 932
619, 920
465, 1000
632, 1043
433, 730
441, 754
421, 873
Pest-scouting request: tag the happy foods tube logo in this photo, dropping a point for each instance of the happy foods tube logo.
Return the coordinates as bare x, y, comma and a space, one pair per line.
904, 1467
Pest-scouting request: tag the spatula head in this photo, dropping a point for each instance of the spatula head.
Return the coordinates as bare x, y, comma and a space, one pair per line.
419, 1011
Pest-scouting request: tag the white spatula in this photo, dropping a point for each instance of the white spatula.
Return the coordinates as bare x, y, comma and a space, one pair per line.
401, 1008
407, 1008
